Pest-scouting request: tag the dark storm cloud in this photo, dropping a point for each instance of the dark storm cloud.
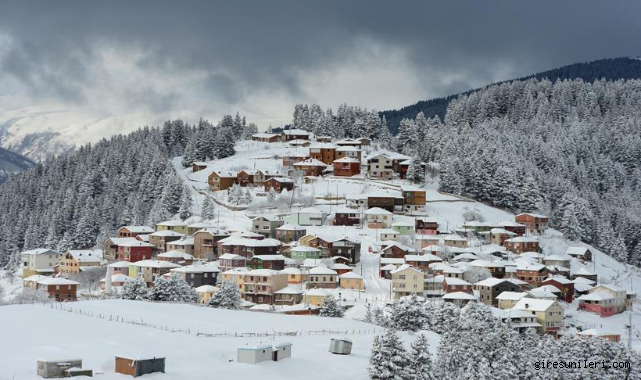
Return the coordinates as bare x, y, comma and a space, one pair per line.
248, 45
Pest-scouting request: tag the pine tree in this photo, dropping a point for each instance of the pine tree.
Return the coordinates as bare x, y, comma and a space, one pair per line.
208, 209
224, 143
408, 314
172, 289
228, 297
134, 289
186, 202
388, 360
420, 365
331, 308
415, 171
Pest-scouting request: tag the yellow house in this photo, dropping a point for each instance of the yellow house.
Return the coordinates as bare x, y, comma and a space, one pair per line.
305, 240
173, 225
294, 275
73, 260
407, 280
235, 276
507, 300
549, 313
205, 293
315, 297
351, 280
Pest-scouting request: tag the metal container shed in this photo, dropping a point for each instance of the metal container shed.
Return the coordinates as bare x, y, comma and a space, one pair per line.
340, 346
56, 368
255, 354
138, 367
282, 351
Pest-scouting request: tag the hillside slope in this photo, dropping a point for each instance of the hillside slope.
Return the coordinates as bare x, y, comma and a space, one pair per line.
609, 69
11, 163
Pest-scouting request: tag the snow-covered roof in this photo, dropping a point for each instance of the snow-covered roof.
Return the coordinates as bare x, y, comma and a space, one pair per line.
486, 264
611, 287
390, 243
387, 231
270, 258
455, 281
263, 135
348, 160
557, 258
139, 229
57, 281
302, 248
501, 231
213, 231
533, 304
576, 251
165, 233
347, 148
582, 272
155, 264
310, 210
402, 224
595, 332
542, 294
172, 223
596, 296
310, 162
35, 277
40, 251
291, 227
532, 215
583, 280
433, 248
322, 270
289, 290
241, 241
350, 275
511, 296
134, 243
119, 277
377, 211
524, 239
281, 179
120, 264
317, 292
262, 272
392, 260
86, 255
465, 256
459, 296
425, 257
527, 266
454, 238
231, 256
299, 132
549, 288
206, 289
406, 267
492, 281
291, 270
559, 279
237, 271
176, 255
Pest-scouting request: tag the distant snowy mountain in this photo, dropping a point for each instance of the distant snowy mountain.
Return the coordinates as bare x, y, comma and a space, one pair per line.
11, 162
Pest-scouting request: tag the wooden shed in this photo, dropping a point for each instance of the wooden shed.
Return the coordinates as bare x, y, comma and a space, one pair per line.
340, 346
57, 368
282, 351
255, 354
138, 367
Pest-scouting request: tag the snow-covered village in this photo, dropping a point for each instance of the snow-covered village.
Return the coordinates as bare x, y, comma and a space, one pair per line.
492, 233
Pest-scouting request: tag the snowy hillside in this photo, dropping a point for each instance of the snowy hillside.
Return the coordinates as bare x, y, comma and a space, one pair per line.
188, 356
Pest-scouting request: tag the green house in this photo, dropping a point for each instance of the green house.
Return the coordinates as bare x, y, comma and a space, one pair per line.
301, 253
403, 228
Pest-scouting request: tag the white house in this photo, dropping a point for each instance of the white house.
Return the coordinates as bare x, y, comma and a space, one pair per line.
377, 217
309, 216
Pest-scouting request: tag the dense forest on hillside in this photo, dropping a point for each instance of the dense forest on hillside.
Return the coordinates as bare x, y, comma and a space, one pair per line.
78, 199
570, 148
608, 69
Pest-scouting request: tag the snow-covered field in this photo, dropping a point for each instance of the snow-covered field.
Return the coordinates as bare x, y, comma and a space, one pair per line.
48, 333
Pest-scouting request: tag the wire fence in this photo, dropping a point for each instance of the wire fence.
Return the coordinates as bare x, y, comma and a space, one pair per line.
227, 334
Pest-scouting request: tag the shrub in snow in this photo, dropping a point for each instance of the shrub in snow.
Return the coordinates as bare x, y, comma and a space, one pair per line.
476, 274
134, 289
331, 308
228, 297
172, 289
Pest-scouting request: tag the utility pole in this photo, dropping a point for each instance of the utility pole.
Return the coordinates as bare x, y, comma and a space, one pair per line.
629, 327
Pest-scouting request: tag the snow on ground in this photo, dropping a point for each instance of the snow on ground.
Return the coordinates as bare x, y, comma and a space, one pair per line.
57, 334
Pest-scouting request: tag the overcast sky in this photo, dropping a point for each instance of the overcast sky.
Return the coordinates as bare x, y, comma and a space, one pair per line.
261, 57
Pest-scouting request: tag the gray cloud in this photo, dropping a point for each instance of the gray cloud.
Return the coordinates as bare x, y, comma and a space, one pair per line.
232, 53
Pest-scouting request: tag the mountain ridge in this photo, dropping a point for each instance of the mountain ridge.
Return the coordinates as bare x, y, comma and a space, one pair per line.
607, 68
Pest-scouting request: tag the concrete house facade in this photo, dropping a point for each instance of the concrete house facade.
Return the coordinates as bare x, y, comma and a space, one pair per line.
535, 224
309, 216
380, 166
288, 233
259, 285
266, 225
407, 280
133, 231
39, 261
